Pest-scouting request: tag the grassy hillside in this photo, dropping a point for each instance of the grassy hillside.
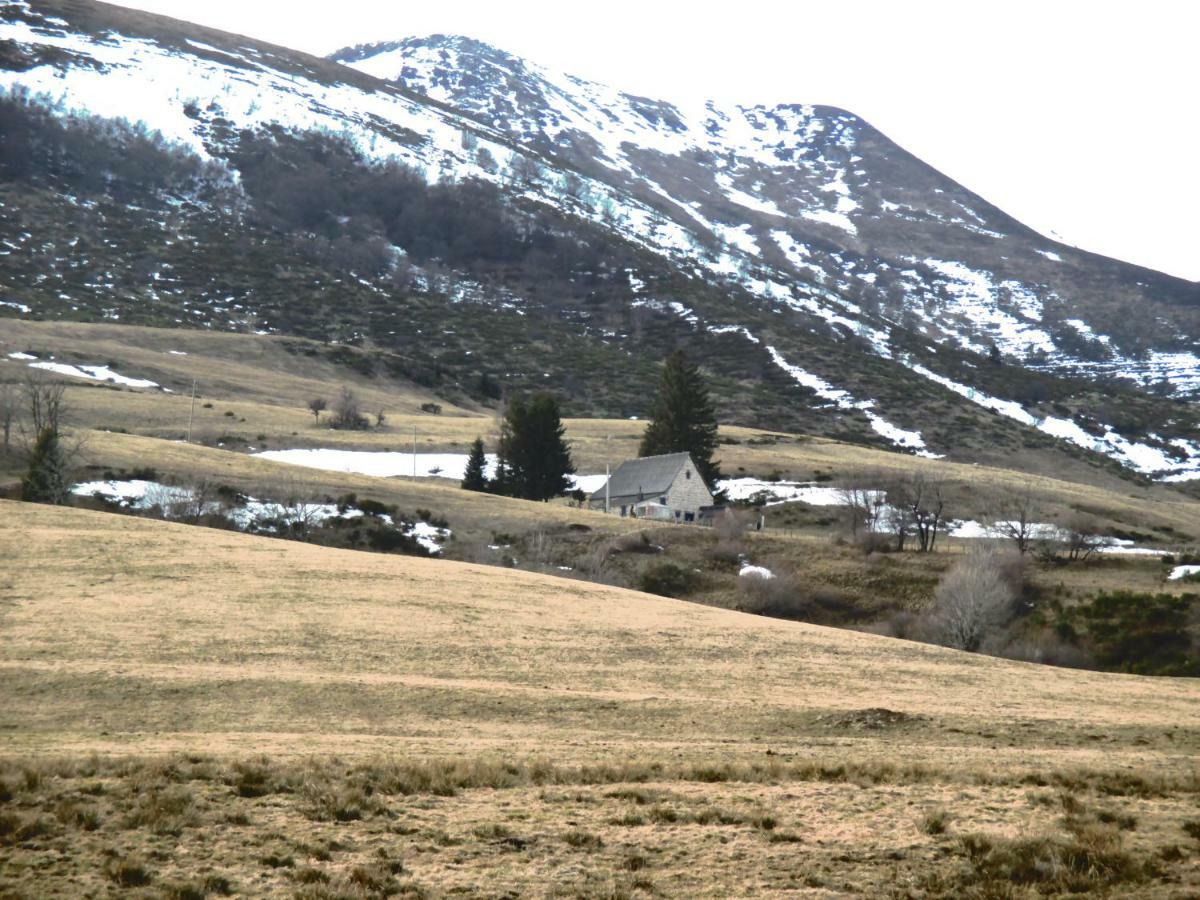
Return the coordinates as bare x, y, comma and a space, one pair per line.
253, 392
475, 727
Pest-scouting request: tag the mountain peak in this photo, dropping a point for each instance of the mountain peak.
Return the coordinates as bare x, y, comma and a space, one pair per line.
439, 65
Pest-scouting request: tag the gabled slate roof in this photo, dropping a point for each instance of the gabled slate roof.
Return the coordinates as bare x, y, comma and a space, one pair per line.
647, 477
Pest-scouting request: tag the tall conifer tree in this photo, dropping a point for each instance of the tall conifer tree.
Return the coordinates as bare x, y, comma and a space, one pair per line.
534, 456
46, 481
683, 419
475, 477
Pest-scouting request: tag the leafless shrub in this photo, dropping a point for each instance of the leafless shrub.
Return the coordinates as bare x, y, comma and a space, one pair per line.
764, 595
634, 542
901, 624
1082, 537
1048, 649
593, 563
539, 547
730, 529
347, 411
974, 601
185, 503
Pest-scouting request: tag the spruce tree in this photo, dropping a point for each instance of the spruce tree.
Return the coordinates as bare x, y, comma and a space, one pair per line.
683, 419
475, 478
534, 455
46, 479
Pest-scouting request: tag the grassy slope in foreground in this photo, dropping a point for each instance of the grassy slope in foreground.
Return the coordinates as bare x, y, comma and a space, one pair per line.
361, 650
641, 746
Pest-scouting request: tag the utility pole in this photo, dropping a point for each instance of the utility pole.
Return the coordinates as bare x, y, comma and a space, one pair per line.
192, 414
607, 473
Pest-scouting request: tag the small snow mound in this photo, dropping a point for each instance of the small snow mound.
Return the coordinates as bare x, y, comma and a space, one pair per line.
756, 572
1183, 572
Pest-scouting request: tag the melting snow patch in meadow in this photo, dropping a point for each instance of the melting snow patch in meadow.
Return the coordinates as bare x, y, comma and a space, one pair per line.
388, 464
382, 464
251, 514
1183, 572
17, 354
19, 307
777, 492
1050, 255
94, 373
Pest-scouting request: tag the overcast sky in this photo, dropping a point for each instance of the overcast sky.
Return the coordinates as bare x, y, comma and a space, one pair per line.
1082, 119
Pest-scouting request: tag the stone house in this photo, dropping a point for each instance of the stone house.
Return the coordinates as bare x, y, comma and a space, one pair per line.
667, 487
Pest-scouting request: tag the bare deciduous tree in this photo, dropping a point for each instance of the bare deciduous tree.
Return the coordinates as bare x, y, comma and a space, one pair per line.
9, 404
916, 506
1013, 513
1081, 538
974, 601
864, 502
45, 404
316, 406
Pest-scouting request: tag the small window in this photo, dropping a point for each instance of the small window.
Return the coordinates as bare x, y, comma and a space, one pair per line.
689, 517
663, 500
687, 474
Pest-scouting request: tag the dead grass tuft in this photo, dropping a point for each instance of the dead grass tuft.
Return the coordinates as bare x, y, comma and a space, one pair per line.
1089, 859
127, 871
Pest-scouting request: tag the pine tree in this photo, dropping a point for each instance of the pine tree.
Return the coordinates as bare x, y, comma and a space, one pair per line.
475, 478
683, 419
535, 459
46, 480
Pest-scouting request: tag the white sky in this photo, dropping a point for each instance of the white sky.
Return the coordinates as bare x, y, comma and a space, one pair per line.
1081, 119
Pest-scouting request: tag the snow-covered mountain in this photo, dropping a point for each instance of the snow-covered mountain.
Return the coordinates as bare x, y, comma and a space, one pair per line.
841, 262
818, 195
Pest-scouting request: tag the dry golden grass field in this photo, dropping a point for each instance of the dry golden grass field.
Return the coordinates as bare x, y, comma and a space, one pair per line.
187, 712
